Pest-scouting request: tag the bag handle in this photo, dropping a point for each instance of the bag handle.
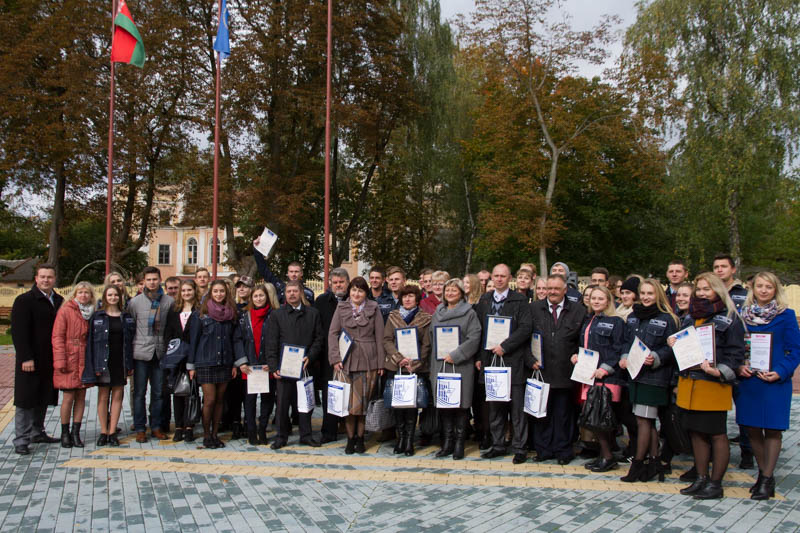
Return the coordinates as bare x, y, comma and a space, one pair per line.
444, 367
502, 361
339, 373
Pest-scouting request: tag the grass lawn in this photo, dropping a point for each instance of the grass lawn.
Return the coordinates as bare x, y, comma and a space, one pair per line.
5, 338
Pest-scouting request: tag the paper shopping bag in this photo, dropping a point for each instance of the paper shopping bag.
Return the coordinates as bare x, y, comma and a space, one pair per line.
448, 390
339, 397
404, 391
498, 382
536, 394
305, 394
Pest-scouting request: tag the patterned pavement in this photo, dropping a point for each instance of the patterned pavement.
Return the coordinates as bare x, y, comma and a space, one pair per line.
163, 486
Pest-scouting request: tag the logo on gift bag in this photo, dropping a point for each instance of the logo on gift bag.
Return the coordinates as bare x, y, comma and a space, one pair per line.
448, 391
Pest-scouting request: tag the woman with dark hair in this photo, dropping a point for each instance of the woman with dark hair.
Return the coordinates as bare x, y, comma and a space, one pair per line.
408, 315
363, 322
214, 355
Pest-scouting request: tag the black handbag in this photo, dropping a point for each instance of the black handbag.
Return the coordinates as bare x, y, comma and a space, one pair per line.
671, 427
597, 413
193, 407
180, 384
423, 392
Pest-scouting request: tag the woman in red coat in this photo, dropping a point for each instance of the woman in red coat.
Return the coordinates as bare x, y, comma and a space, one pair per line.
69, 357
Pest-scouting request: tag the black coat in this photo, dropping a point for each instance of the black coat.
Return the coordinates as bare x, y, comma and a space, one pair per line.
269, 277
517, 346
559, 341
607, 337
654, 332
730, 347
288, 325
32, 319
326, 306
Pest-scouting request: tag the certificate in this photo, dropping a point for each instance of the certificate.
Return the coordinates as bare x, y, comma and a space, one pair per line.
258, 380
406, 342
447, 339
536, 348
706, 335
761, 352
588, 361
498, 329
345, 343
637, 355
266, 242
292, 361
687, 349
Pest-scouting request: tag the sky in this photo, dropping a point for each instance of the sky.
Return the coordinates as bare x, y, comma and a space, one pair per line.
584, 13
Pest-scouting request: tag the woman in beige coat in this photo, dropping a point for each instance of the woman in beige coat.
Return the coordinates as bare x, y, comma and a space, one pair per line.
363, 322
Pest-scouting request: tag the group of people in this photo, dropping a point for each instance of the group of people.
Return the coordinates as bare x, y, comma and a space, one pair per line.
230, 328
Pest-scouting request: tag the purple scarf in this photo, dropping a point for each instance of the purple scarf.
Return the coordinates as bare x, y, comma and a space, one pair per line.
219, 312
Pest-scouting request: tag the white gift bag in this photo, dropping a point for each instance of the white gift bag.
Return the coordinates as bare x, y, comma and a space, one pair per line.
339, 396
498, 382
305, 394
448, 389
536, 395
404, 390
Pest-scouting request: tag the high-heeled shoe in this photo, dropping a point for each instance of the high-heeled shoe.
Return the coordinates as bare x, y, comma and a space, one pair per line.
765, 490
696, 486
102, 440
634, 472
113, 440
758, 482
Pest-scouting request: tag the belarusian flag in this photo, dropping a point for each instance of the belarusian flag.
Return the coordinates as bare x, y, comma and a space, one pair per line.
127, 46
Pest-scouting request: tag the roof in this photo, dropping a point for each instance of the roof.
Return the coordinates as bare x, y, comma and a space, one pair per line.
18, 269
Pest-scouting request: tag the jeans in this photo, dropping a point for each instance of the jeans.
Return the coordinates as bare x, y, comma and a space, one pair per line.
144, 372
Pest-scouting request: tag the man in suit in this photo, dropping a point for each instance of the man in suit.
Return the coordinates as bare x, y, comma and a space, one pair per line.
558, 320
513, 352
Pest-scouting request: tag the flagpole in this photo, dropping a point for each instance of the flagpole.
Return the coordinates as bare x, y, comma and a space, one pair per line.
110, 186
214, 237
326, 245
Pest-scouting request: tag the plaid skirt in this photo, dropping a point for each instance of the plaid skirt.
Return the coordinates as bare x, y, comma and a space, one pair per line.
362, 390
213, 374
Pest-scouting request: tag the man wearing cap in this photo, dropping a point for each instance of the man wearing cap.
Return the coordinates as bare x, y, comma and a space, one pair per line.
573, 294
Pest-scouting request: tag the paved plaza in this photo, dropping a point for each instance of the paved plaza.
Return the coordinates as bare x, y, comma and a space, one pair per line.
164, 486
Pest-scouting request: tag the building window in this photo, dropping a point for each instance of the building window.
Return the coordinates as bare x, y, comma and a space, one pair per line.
210, 251
191, 251
163, 254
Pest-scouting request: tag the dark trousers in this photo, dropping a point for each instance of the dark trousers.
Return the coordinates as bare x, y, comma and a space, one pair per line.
28, 423
286, 394
234, 398
498, 415
179, 406
330, 423
744, 436
624, 413
267, 403
480, 407
555, 434
166, 405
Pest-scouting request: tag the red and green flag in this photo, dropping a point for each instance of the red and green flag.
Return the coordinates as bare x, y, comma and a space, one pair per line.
127, 45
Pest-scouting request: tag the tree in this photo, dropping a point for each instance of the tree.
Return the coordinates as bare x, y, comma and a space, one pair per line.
724, 79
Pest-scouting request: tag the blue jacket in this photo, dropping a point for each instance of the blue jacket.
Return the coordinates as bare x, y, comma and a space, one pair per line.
269, 277
248, 339
387, 304
97, 345
730, 347
654, 333
214, 343
607, 337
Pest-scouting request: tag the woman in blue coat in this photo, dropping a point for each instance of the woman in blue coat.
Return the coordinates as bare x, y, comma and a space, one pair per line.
765, 397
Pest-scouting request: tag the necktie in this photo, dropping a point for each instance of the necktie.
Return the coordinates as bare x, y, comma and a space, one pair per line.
497, 306
555, 314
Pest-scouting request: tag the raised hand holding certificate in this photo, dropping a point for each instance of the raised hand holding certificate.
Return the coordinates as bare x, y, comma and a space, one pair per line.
761, 352
588, 361
266, 241
637, 355
707, 341
687, 349
498, 329
406, 342
447, 340
292, 361
257, 380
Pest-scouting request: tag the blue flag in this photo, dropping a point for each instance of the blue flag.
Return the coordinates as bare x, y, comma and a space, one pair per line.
222, 43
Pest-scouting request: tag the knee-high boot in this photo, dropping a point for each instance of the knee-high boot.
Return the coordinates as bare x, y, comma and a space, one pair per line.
447, 418
460, 430
411, 426
399, 424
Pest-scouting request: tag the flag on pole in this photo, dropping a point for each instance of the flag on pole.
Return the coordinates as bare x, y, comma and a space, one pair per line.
222, 43
127, 45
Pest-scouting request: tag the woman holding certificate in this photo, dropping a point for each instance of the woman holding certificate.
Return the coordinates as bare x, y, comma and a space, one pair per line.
765, 386
602, 333
650, 364
407, 345
456, 335
214, 353
363, 362
705, 394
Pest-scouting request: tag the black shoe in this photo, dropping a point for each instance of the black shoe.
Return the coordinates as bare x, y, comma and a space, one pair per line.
325, 439
310, 441
178, 436
218, 443
486, 442
252, 438
492, 453
76, 435
689, 475
695, 487
22, 449
591, 464
236, 431
543, 457
113, 440
360, 448
102, 440
604, 465
262, 435
44, 438
747, 461
765, 490
519, 458
277, 444
759, 479
188, 435
563, 461
634, 472
209, 443
401, 444
711, 491
66, 437
350, 448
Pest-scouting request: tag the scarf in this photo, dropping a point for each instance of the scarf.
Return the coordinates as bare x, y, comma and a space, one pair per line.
86, 310
408, 314
154, 316
704, 308
219, 312
257, 317
357, 308
645, 312
756, 315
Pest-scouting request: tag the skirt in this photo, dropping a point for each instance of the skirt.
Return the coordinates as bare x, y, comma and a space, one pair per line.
703, 395
362, 389
652, 395
706, 422
207, 375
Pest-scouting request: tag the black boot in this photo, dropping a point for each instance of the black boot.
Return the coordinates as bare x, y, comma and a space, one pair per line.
634, 472
758, 482
350, 449
712, 491
76, 435
460, 428
411, 426
236, 431
448, 420
765, 490
360, 447
402, 442
252, 438
262, 434
66, 438
650, 471
695, 487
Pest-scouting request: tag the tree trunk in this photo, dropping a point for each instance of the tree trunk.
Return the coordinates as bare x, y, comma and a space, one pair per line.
733, 228
54, 253
548, 200
470, 244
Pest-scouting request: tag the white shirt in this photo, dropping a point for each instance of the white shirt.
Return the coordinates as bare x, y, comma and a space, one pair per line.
500, 296
559, 307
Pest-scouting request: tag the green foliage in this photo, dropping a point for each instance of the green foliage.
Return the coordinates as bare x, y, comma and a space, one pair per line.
20, 237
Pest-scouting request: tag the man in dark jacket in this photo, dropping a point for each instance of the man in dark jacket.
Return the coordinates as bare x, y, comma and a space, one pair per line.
389, 301
294, 323
32, 318
326, 306
513, 352
294, 272
558, 320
